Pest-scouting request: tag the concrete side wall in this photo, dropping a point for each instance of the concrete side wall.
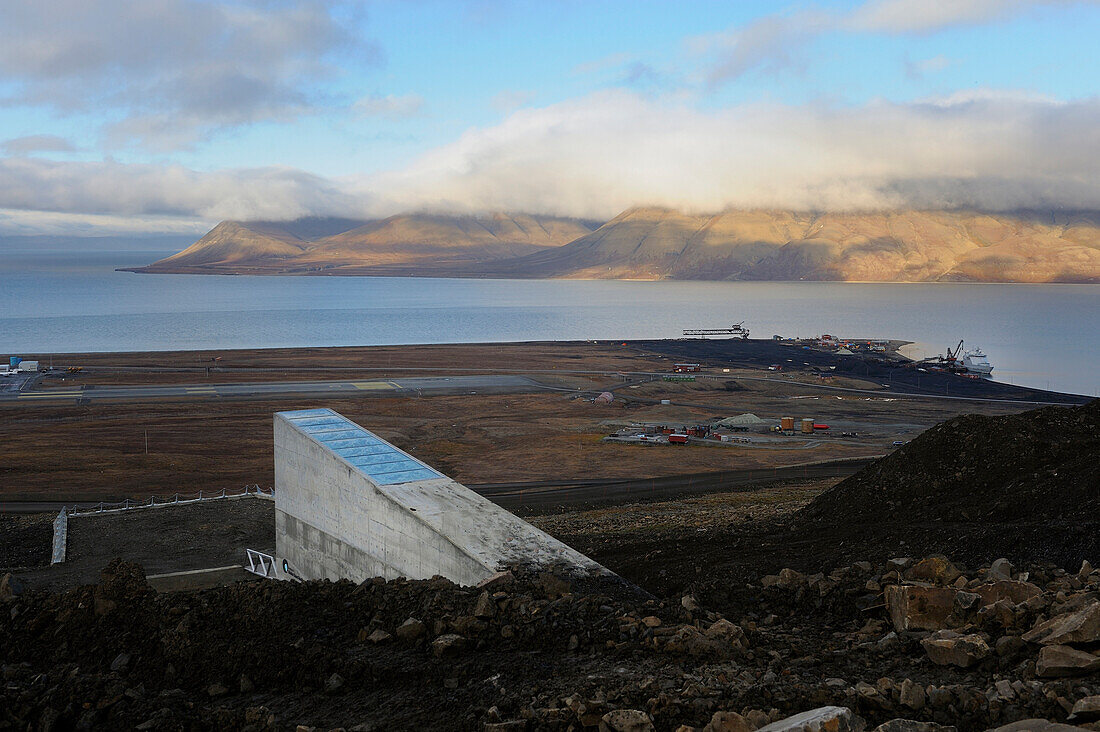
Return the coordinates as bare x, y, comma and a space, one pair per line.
332, 522
60, 537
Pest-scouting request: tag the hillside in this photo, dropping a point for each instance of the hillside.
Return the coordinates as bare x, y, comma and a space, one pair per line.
343, 246
906, 246
654, 243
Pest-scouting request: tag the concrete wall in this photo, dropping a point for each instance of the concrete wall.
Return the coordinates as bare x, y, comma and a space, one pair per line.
334, 521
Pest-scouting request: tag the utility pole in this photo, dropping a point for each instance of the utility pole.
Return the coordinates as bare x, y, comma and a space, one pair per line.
146, 442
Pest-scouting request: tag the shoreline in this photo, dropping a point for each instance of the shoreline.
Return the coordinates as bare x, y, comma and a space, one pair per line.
458, 274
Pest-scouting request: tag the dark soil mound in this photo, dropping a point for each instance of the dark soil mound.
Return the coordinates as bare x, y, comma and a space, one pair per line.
1035, 466
27, 540
1032, 477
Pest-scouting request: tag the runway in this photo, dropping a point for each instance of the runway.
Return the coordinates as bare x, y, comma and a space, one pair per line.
414, 386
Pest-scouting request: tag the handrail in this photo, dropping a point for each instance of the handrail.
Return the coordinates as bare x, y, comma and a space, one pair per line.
179, 498
260, 563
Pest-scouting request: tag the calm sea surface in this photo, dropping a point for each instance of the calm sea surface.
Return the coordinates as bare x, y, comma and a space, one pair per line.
58, 302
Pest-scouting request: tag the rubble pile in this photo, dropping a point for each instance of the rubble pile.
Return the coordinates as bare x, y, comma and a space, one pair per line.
902, 645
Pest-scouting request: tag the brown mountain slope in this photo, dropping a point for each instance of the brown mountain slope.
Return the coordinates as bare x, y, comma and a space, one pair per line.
234, 243
436, 239
653, 243
343, 246
904, 246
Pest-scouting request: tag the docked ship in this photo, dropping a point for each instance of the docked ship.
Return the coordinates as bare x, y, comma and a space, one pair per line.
972, 363
975, 362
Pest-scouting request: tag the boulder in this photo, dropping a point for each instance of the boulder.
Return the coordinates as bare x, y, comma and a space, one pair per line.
497, 581
334, 683
898, 564
1055, 661
1011, 590
411, 630
912, 695
379, 637
10, 587
937, 569
822, 719
1080, 626
948, 648
1086, 710
485, 607
787, 579
1001, 569
728, 633
1001, 614
626, 720
728, 722
448, 644
967, 601
919, 608
722, 640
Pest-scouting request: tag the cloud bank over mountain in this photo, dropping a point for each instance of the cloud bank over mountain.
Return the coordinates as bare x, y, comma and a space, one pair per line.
596, 156
202, 110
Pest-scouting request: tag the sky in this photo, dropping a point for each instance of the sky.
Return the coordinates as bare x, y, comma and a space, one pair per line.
166, 116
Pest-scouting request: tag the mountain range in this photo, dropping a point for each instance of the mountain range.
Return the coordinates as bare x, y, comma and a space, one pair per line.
658, 243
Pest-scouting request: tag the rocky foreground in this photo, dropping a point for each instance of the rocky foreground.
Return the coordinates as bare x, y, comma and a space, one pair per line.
857, 648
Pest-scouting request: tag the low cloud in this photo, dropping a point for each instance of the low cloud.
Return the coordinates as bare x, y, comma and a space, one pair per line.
38, 223
596, 156
36, 143
108, 188
610, 151
176, 70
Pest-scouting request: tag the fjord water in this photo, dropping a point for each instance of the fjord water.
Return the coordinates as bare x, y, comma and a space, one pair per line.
1045, 336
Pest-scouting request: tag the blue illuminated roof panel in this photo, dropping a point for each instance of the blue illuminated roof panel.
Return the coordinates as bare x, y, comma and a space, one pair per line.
374, 457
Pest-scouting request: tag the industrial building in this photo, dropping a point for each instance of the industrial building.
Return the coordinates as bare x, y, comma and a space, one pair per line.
349, 505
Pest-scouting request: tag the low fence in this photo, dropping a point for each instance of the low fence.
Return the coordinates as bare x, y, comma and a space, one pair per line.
130, 504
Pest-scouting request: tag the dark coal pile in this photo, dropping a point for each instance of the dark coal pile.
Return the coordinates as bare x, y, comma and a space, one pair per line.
1025, 485
892, 374
877, 642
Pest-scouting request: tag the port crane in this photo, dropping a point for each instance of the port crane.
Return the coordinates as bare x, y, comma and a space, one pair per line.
955, 356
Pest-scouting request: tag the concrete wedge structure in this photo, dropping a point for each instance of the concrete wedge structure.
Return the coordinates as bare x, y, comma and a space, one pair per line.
350, 505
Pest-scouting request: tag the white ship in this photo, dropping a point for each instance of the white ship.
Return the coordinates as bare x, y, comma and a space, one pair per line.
975, 362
